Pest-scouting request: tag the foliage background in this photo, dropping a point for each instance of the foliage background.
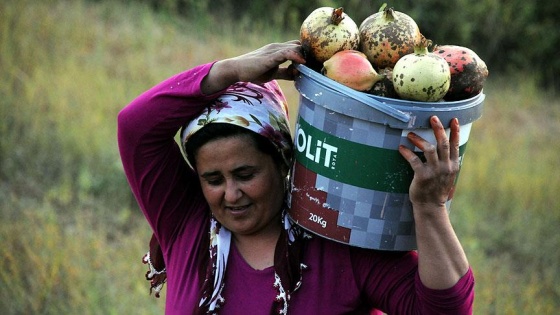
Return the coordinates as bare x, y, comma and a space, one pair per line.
72, 236
511, 35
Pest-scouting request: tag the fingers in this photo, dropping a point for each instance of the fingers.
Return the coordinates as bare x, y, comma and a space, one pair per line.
294, 41
293, 51
281, 52
289, 51
288, 73
454, 139
441, 138
445, 149
429, 149
267, 62
411, 157
433, 180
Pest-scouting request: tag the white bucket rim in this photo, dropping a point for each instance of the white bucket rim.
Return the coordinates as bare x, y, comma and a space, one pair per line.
396, 113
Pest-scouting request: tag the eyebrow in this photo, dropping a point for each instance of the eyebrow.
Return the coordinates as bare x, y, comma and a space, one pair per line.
210, 174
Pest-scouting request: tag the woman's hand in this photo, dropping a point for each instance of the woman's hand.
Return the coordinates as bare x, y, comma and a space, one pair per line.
258, 66
434, 179
441, 258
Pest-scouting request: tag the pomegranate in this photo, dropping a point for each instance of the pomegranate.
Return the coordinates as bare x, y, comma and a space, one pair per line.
351, 68
384, 87
325, 32
422, 75
468, 71
386, 36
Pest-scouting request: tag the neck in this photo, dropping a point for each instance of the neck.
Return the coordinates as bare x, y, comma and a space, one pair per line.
258, 250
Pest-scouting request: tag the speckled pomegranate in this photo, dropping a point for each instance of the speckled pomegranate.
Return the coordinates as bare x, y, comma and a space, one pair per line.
386, 36
325, 32
468, 71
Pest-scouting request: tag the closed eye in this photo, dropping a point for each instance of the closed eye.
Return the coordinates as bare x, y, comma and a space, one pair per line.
245, 173
213, 178
245, 177
214, 181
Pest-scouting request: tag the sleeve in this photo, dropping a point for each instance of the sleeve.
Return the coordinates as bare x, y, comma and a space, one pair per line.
166, 189
458, 299
391, 283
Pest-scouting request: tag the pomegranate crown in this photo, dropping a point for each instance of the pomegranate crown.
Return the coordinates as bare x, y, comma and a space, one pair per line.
337, 16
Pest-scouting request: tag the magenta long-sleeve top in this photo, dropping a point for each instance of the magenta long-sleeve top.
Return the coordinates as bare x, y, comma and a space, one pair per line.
339, 279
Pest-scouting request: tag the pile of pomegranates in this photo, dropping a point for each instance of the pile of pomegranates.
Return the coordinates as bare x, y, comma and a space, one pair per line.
388, 56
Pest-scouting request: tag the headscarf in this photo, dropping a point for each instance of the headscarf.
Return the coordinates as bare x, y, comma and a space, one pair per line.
261, 108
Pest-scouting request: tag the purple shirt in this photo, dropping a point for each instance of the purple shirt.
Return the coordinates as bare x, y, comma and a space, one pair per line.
339, 279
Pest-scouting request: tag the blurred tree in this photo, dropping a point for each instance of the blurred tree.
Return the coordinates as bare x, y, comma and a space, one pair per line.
510, 35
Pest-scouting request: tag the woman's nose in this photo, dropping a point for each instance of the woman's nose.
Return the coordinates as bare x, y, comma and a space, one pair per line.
233, 192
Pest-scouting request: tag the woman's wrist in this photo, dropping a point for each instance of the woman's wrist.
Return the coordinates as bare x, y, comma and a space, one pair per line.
221, 75
429, 211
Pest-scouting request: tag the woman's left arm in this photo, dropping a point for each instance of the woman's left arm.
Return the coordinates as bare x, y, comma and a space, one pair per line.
441, 258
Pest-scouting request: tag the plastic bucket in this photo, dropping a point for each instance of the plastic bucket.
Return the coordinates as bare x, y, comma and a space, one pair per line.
349, 182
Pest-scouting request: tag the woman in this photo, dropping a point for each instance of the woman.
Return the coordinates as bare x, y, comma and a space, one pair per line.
220, 217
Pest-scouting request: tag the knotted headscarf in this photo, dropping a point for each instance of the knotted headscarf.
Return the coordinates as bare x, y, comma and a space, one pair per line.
263, 110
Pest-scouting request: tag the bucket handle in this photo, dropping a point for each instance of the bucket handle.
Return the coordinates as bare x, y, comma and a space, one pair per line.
356, 95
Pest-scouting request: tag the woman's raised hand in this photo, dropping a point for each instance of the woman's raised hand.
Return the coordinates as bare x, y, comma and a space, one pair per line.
258, 66
433, 181
263, 64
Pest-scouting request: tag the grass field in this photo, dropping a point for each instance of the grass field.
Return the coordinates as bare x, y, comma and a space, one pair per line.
71, 234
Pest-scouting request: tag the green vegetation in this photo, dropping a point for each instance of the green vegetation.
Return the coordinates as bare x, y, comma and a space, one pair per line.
505, 209
72, 236
512, 36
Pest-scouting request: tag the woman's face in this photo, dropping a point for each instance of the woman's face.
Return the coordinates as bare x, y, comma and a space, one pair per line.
243, 186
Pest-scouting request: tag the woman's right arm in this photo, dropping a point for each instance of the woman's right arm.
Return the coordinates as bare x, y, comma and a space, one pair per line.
164, 186
258, 66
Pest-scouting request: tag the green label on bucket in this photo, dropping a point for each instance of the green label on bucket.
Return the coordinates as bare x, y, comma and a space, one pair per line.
354, 163
350, 162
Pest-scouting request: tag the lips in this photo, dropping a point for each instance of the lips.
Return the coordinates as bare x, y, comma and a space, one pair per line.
237, 210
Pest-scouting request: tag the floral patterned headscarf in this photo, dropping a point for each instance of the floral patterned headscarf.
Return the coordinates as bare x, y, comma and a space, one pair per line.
261, 109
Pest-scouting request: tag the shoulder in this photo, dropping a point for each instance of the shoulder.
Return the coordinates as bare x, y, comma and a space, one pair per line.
330, 247
331, 254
